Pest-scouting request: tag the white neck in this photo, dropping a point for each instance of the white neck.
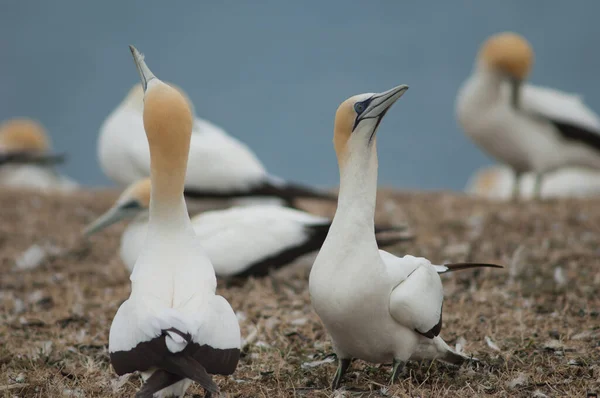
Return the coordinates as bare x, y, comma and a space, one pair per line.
355, 214
168, 216
487, 81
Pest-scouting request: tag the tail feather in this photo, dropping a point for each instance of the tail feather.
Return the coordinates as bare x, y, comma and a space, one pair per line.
442, 269
157, 381
189, 368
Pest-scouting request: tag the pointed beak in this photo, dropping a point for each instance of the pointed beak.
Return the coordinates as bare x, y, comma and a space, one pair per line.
145, 73
381, 103
112, 216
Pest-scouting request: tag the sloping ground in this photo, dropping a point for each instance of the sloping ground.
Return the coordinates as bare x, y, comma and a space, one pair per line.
535, 325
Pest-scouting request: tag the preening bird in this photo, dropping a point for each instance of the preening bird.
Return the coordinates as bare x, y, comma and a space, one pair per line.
496, 182
526, 127
374, 305
219, 166
25, 157
241, 241
173, 328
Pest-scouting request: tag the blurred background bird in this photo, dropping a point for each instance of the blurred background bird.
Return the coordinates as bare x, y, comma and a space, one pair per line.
26, 157
241, 241
527, 127
220, 166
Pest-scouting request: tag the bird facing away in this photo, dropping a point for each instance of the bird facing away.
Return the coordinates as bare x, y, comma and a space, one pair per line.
173, 328
526, 127
496, 182
240, 241
375, 306
25, 157
219, 166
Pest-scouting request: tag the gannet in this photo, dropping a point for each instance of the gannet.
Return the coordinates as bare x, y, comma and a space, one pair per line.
376, 307
529, 128
496, 182
240, 241
173, 328
220, 166
25, 157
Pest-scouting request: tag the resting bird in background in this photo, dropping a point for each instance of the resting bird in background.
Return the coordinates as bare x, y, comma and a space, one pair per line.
497, 182
219, 166
528, 128
173, 328
375, 306
240, 241
26, 160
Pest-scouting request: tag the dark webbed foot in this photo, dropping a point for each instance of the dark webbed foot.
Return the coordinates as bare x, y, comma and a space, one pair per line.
397, 370
343, 365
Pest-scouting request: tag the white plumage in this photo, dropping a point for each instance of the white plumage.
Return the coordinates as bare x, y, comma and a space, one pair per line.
497, 182
374, 305
528, 128
240, 241
219, 165
173, 328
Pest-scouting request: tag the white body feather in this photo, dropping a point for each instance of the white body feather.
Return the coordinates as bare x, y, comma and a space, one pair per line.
497, 182
520, 139
217, 161
37, 177
234, 238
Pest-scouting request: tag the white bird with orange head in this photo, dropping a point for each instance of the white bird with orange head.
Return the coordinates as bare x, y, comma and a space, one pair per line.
240, 241
526, 127
376, 307
173, 328
219, 167
26, 159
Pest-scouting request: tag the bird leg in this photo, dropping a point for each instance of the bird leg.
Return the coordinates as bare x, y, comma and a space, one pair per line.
517, 186
343, 364
537, 188
397, 369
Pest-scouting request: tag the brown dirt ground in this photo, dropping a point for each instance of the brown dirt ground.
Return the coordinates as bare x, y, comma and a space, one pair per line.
54, 320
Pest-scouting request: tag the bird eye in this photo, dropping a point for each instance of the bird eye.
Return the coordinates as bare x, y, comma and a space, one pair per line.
359, 107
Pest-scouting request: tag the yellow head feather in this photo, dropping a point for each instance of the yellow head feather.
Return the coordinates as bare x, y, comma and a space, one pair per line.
509, 53
168, 124
344, 121
23, 135
139, 191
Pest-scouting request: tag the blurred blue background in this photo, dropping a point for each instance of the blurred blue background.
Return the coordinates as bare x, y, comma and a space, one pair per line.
272, 73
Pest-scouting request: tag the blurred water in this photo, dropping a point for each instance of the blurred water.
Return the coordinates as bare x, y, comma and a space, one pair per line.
273, 72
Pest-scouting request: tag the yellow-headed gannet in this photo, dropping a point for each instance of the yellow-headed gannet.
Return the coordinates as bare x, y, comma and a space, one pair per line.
497, 182
25, 158
240, 241
173, 328
375, 306
219, 166
528, 128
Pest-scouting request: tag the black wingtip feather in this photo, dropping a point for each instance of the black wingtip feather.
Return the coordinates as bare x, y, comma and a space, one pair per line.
32, 158
288, 191
461, 266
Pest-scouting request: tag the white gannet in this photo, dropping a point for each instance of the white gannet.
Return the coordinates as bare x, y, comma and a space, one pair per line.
240, 241
497, 182
173, 328
376, 307
25, 157
219, 166
528, 128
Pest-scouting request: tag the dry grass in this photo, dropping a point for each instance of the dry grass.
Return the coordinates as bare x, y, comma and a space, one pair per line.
54, 320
